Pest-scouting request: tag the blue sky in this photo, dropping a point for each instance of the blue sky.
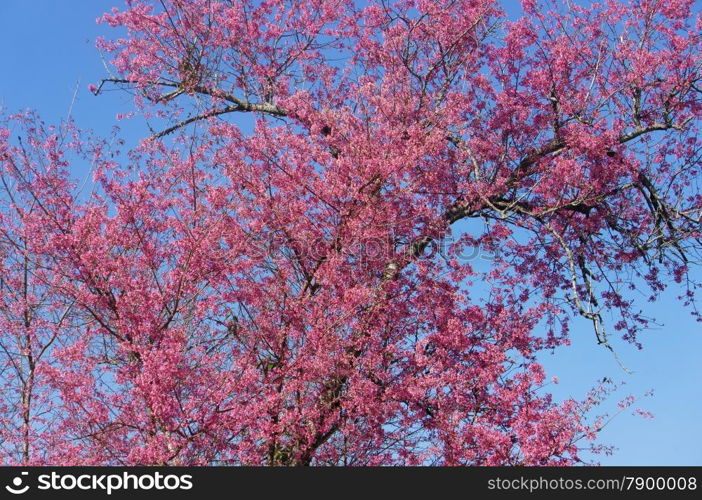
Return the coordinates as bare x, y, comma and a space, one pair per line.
47, 60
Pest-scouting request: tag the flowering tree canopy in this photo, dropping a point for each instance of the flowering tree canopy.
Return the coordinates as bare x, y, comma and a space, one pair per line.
278, 275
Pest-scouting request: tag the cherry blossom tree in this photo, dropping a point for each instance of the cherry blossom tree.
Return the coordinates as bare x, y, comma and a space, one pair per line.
281, 273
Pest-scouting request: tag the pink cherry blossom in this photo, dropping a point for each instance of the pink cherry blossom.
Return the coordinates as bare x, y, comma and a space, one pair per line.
282, 274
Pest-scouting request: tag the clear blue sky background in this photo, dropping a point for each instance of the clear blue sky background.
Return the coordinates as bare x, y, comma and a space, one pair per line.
47, 58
